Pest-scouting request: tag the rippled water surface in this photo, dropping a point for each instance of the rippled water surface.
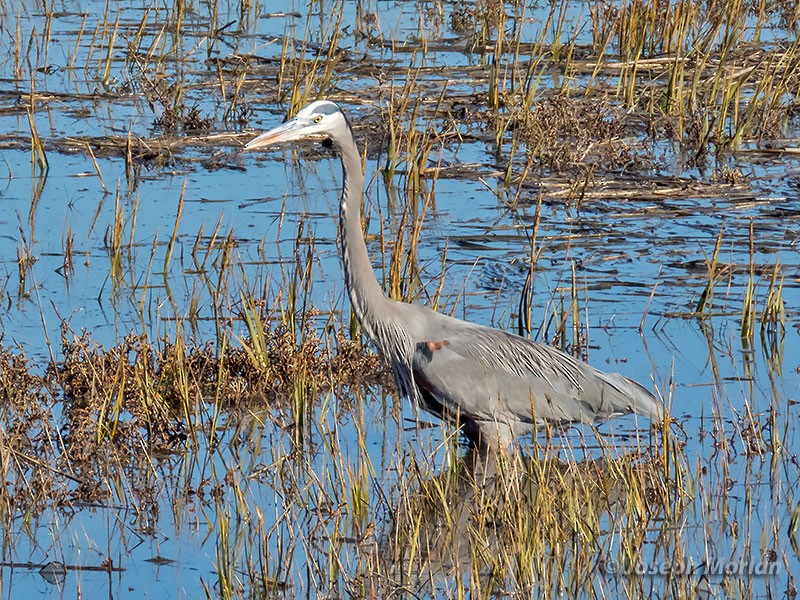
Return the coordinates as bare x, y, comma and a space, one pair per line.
93, 244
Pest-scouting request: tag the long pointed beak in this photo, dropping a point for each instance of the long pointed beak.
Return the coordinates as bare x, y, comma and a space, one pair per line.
291, 130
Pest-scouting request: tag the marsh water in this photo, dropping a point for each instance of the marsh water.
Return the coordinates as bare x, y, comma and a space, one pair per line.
145, 222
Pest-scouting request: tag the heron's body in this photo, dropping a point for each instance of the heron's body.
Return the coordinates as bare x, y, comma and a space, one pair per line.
493, 384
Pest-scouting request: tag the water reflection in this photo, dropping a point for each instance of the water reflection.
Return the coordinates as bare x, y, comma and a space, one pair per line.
486, 523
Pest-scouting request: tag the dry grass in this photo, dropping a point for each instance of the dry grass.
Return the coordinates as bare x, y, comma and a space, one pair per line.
643, 101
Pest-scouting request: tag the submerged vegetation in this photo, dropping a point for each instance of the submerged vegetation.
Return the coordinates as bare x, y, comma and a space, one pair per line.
186, 394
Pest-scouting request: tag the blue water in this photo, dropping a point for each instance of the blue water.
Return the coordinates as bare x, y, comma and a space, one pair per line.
639, 265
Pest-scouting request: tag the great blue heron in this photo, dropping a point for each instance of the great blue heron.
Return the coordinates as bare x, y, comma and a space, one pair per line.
493, 384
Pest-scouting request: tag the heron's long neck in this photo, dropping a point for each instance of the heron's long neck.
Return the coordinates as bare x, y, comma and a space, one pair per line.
366, 295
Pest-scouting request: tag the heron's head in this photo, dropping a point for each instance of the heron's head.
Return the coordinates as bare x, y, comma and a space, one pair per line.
320, 119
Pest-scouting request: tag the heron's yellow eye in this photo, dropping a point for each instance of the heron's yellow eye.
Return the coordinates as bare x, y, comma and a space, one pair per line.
318, 118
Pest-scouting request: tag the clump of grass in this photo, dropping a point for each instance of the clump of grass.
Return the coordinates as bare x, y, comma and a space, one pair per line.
773, 317
705, 302
491, 521
306, 71
39, 163
237, 111
137, 386
568, 134
411, 141
177, 114
122, 404
114, 241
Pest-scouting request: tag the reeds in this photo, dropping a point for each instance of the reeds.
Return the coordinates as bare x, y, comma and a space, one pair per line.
526, 521
248, 412
306, 71
705, 302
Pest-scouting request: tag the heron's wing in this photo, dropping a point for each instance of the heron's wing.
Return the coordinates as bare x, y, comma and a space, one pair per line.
485, 374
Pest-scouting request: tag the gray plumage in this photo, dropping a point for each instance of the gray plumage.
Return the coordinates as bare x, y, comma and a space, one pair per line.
493, 384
